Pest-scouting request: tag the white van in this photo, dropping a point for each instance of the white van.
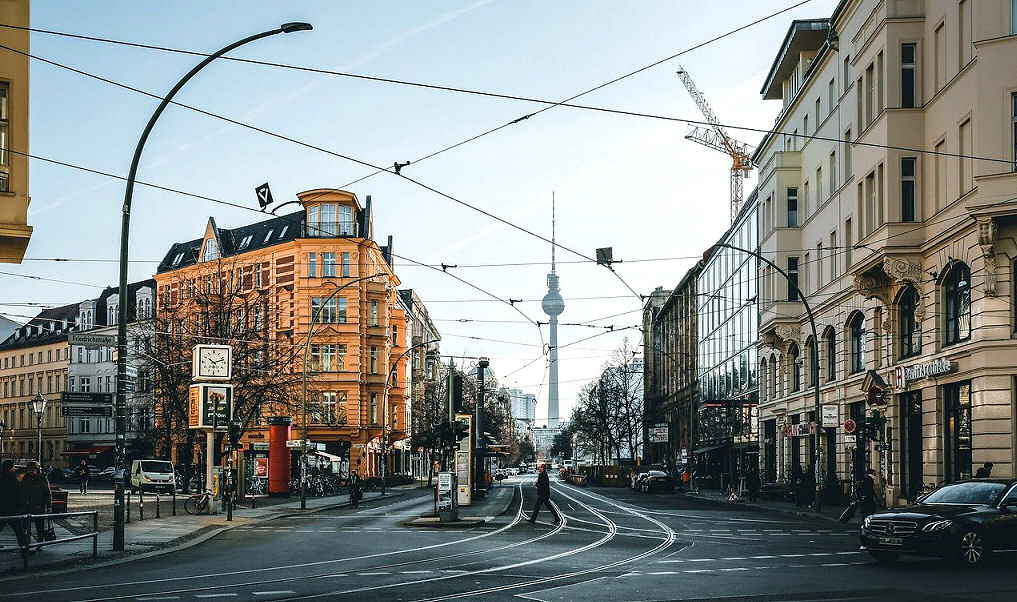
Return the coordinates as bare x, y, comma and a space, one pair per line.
153, 475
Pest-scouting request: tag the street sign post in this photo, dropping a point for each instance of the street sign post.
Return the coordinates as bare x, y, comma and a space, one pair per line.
91, 341
92, 398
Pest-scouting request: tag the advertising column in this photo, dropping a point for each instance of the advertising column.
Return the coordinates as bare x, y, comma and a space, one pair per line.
464, 460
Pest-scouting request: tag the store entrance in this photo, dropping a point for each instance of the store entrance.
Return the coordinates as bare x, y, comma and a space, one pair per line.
911, 464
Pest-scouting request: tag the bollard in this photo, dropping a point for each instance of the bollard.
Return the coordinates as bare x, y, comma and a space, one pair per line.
95, 534
174, 494
157, 504
141, 504
253, 498
128, 519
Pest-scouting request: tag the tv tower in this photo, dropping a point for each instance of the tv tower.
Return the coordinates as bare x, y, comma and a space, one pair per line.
553, 305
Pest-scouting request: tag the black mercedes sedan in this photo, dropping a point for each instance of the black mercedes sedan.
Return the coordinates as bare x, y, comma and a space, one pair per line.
964, 521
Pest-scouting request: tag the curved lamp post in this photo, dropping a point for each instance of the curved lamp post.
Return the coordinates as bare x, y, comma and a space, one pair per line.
814, 367
303, 396
384, 408
125, 232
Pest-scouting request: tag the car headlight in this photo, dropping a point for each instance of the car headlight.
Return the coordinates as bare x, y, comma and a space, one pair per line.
939, 525
865, 523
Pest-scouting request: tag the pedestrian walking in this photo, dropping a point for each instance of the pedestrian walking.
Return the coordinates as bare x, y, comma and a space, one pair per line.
543, 495
984, 472
11, 502
37, 496
867, 494
82, 473
808, 494
753, 482
796, 483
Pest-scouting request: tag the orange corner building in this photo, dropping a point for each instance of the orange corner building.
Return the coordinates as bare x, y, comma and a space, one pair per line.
286, 268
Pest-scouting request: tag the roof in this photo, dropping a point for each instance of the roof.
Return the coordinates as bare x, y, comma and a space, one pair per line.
804, 35
101, 314
46, 327
275, 231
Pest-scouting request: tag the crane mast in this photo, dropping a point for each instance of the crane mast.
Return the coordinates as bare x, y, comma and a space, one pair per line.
717, 138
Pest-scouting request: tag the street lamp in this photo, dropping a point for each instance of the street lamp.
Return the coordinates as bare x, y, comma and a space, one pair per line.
39, 406
384, 408
125, 234
3, 429
303, 397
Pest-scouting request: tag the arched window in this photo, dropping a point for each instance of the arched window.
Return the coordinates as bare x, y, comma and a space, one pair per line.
856, 333
794, 359
831, 354
957, 291
764, 373
909, 330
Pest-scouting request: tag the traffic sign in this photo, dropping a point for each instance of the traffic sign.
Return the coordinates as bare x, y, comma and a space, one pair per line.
849, 426
96, 398
86, 411
264, 194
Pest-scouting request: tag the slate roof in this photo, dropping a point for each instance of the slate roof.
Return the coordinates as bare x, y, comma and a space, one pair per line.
46, 327
271, 232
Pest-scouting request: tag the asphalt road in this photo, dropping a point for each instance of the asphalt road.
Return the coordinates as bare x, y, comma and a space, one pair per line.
613, 545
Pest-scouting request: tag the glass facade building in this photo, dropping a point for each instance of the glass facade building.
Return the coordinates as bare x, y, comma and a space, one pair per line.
727, 442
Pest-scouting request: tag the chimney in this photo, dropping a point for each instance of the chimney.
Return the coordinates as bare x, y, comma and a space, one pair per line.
365, 228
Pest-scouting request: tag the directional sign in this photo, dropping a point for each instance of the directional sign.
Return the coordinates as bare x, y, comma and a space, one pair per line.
264, 194
298, 443
86, 411
95, 398
91, 341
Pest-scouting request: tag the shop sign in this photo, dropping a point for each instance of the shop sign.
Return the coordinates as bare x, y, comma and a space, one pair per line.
802, 429
261, 467
902, 376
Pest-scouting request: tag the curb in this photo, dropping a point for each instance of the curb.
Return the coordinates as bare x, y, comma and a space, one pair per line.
72, 565
753, 508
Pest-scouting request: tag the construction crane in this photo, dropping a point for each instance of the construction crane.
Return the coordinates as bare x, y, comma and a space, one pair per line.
717, 138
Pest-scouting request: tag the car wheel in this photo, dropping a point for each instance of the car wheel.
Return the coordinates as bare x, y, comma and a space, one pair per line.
884, 557
971, 549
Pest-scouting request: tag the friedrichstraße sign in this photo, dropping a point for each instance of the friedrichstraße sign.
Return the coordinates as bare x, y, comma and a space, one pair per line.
77, 397
903, 375
86, 411
91, 341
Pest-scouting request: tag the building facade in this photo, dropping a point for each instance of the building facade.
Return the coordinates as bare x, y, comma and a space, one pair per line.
319, 264
423, 355
14, 229
726, 434
33, 363
93, 370
523, 409
890, 194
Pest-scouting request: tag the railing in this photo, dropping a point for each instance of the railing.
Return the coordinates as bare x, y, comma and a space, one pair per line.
25, 534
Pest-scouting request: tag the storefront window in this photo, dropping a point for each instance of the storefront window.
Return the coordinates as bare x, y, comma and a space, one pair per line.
958, 431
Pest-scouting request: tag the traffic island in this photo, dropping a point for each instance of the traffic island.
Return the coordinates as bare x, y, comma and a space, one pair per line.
432, 521
496, 503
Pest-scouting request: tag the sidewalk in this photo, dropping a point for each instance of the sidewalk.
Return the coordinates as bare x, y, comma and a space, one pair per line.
485, 509
827, 512
156, 536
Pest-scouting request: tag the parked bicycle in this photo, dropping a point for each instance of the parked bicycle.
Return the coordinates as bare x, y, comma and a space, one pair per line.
199, 502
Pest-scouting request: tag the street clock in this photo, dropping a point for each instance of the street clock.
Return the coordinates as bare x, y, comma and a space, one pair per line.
212, 362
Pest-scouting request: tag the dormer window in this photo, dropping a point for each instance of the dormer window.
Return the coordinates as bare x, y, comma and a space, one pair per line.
282, 232
178, 258
245, 241
269, 235
211, 250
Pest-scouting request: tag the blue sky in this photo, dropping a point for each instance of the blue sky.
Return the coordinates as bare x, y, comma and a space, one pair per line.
632, 183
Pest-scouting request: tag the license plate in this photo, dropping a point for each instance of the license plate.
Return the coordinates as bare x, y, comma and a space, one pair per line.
892, 541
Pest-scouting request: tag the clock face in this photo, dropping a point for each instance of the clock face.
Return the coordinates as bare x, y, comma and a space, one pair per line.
213, 362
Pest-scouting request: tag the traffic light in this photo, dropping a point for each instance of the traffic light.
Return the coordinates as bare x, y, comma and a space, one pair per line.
461, 428
457, 393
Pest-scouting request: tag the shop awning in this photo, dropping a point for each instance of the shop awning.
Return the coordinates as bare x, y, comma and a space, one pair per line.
703, 450
329, 457
88, 451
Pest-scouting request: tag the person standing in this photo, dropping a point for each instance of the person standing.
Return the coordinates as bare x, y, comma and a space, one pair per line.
984, 472
867, 494
82, 473
37, 496
11, 502
543, 495
753, 482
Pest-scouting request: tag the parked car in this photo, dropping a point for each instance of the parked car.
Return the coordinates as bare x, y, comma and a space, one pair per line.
62, 475
655, 480
965, 521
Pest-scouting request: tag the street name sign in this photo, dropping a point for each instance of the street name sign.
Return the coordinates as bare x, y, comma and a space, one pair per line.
91, 341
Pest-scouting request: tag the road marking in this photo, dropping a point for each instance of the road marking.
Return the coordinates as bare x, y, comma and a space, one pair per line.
792, 555
278, 592
663, 573
761, 557
835, 564
229, 595
160, 598
700, 571
374, 574
740, 568
414, 572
